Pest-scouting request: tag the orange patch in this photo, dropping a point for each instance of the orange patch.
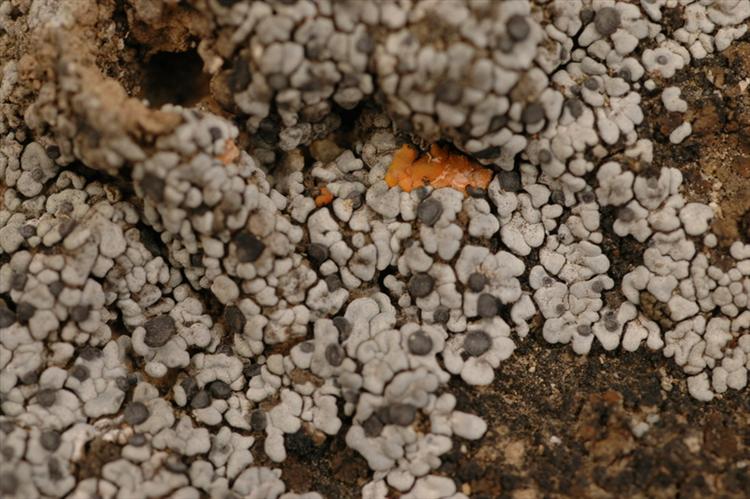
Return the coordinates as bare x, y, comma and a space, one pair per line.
325, 197
438, 168
231, 152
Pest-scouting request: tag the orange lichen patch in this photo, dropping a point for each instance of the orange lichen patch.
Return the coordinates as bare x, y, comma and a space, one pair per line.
325, 197
231, 152
438, 168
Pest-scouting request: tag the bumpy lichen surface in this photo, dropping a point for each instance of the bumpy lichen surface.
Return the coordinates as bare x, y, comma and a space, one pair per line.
360, 202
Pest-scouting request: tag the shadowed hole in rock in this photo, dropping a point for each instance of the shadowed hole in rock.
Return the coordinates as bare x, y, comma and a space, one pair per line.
744, 227
174, 78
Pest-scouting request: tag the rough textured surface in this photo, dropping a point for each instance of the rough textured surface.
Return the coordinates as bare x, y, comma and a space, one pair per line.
221, 277
591, 404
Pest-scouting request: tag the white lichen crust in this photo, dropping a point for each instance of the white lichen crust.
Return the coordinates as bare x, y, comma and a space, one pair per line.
166, 290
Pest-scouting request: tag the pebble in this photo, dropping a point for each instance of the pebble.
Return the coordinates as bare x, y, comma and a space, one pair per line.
317, 253
487, 305
46, 398
477, 342
429, 211
50, 440
419, 343
135, 413
159, 330
401, 414
201, 400
421, 285
219, 390
518, 28
248, 247
334, 354
607, 20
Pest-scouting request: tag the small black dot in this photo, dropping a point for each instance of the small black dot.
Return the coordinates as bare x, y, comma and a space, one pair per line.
334, 354
421, 285
136, 413
219, 390
258, 420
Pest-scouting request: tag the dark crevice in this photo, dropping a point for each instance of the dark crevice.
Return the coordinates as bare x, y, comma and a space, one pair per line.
744, 227
390, 270
624, 253
122, 181
174, 78
349, 118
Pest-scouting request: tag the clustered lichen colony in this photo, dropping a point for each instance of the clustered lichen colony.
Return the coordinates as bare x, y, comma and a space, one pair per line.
176, 256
